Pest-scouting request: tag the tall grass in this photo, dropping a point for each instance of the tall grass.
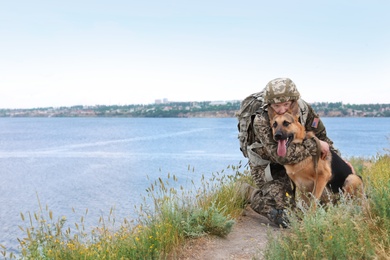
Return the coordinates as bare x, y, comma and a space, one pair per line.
378, 177
349, 229
167, 217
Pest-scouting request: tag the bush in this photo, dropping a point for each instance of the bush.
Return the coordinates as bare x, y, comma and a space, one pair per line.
349, 229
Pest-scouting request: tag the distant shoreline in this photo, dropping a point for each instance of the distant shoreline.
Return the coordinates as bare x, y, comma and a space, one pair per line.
206, 109
218, 114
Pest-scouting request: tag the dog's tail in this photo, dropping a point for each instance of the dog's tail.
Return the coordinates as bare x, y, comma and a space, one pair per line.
316, 158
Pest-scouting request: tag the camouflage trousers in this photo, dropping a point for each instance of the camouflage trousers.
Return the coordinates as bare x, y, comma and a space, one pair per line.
275, 194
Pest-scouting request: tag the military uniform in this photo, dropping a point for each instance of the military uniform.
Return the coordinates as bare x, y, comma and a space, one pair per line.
274, 188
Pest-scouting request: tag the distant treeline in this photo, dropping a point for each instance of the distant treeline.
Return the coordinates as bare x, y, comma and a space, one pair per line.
190, 109
358, 110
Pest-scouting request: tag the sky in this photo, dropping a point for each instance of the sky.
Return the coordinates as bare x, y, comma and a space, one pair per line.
66, 53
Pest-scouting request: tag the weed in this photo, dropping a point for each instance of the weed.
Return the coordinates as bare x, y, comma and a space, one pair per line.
174, 216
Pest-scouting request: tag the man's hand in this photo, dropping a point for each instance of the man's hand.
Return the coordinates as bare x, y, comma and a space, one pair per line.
324, 149
350, 165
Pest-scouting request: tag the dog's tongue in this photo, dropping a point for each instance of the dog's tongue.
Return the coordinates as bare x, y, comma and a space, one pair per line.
282, 148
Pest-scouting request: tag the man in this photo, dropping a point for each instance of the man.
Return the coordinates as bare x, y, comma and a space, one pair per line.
274, 189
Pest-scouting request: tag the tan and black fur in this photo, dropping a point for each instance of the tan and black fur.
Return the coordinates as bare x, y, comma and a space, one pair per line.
312, 175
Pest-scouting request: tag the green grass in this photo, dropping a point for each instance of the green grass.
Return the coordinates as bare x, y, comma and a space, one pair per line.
348, 229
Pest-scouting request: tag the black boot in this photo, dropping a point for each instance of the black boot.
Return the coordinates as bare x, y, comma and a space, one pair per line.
279, 217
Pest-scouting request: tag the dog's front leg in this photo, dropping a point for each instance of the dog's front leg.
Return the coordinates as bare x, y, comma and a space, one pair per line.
319, 186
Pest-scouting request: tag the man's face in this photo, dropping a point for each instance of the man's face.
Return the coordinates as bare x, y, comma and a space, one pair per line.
281, 108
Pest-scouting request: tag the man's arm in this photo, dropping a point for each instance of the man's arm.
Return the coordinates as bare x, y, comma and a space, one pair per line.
295, 152
315, 124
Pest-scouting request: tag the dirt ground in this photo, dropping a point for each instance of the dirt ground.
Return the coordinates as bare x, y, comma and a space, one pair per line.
246, 241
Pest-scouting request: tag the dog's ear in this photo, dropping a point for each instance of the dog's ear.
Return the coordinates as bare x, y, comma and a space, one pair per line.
294, 110
271, 112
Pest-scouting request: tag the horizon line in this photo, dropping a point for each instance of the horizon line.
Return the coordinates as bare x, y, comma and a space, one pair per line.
168, 102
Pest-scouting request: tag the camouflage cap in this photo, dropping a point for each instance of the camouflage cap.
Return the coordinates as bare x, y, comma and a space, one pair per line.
280, 90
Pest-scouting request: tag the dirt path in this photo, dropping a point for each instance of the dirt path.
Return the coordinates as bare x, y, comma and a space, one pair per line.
246, 241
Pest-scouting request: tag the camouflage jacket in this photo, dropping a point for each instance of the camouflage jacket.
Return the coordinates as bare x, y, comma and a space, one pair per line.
267, 149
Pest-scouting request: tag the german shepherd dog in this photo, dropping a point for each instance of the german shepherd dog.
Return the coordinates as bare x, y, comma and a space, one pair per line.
312, 175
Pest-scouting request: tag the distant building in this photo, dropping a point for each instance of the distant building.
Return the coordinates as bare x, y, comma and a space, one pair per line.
159, 101
217, 103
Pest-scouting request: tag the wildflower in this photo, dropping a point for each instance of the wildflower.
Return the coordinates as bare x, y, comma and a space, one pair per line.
71, 246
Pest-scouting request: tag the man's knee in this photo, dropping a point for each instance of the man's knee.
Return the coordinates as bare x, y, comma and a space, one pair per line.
271, 195
271, 203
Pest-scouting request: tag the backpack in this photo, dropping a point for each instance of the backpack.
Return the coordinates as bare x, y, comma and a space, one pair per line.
245, 116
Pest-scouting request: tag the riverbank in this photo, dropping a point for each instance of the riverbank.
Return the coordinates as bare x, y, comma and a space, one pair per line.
247, 241
203, 228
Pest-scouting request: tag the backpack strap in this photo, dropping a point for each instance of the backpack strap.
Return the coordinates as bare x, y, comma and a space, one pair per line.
256, 160
254, 157
304, 110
